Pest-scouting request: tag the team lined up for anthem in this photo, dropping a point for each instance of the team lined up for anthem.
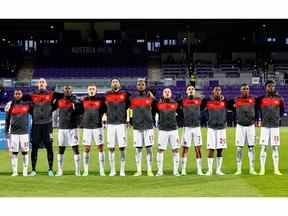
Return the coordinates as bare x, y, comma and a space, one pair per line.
41, 103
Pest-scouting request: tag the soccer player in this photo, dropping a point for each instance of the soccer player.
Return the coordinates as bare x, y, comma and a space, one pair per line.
43, 101
68, 133
142, 121
168, 134
245, 106
17, 122
117, 102
190, 106
271, 107
216, 133
93, 109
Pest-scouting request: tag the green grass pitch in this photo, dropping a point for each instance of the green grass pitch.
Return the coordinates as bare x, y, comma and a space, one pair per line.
144, 186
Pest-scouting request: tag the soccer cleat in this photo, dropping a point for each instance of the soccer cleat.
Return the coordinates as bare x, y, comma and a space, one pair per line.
50, 173
208, 173
25, 172
150, 173
138, 174
122, 173
112, 174
176, 174
77, 173
238, 172
14, 174
159, 173
200, 173
33, 173
183, 173
262, 172
59, 173
277, 172
219, 172
252, 172
102, 174
85, 173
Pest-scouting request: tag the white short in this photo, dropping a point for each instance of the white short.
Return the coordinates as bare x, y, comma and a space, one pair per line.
190, 133
272, 134
143, 138
68, 137
19, 141
116, 134
93, 134
216, 139
168, 137
245, 134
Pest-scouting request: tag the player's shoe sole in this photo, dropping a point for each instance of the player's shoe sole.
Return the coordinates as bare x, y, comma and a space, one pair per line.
14, 174
122, 174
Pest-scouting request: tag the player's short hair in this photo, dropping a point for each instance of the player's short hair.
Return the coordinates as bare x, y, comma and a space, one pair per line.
17, 89
115, 78
42, 79
269, 82
189, 85
91, 84
243, 84
217, 86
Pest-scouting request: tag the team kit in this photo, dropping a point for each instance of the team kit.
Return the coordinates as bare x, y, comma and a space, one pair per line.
87, 113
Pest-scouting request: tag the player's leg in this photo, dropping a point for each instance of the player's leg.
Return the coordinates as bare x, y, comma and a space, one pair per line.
264, 141
198, 143
239, 142
211, 146
163, 138
251, 138
186, 142
275, 143
121, 134
15, 142
77, 159
149, 141
87, 139
60, 160
138, 144
47, 134
36, 139
74, 142
62, 138
175, 144
220, 146
98, 138
24, 144
111, 141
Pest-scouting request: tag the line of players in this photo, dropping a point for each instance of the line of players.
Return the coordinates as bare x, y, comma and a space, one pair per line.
41, 103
